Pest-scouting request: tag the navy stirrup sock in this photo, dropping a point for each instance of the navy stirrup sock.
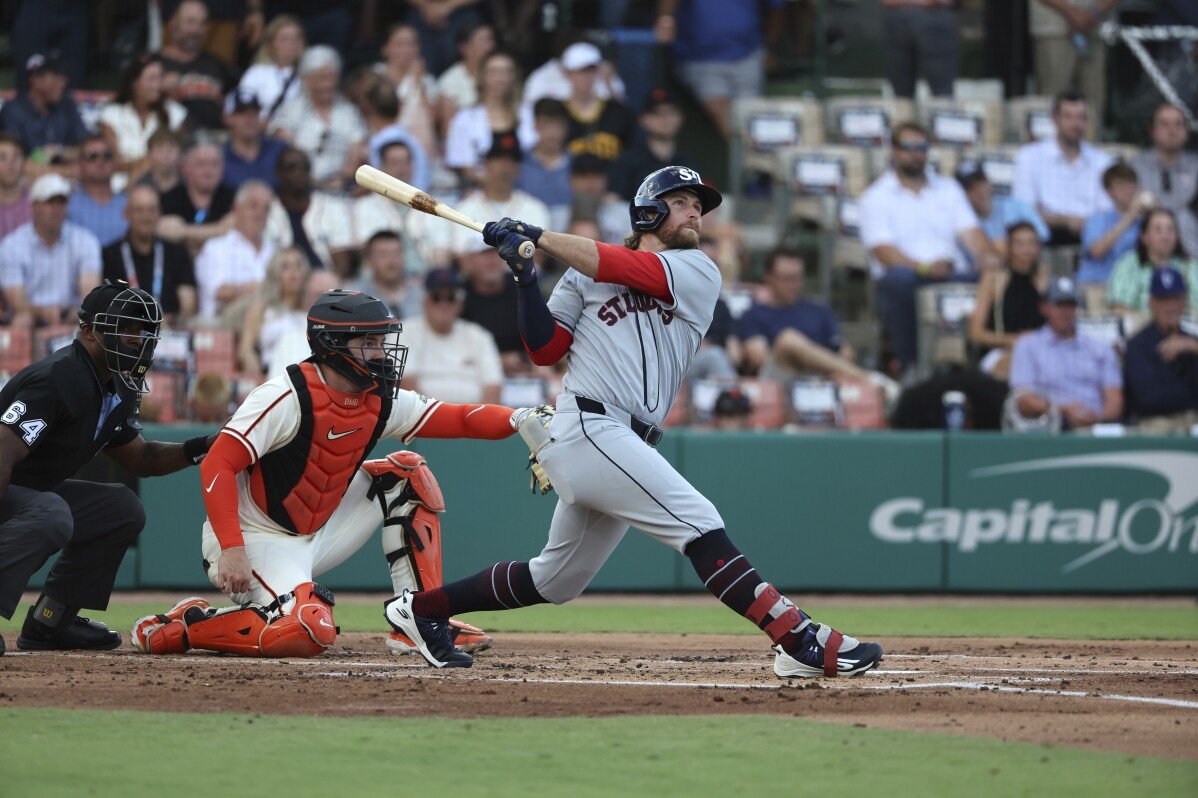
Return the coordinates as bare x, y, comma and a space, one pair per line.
503, 586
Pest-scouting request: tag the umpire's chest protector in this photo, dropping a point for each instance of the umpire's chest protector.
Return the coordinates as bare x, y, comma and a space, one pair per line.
300, 485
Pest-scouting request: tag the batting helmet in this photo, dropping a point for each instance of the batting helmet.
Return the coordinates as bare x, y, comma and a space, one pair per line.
128, 320
339, 316
657, 185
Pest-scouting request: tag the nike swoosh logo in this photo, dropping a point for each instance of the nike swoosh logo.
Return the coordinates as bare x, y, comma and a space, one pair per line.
334, 436
323, 622
475, 410
209, 488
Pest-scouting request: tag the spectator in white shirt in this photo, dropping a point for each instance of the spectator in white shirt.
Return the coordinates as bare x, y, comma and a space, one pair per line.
1062, 178
497, 195
273, 79
448, 357
230, 267
550, 80
498, 112
141, 107
912, 222
415, 88
458, 86
317, 222
48, 265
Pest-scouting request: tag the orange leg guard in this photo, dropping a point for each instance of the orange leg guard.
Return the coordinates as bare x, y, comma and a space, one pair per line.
306, 631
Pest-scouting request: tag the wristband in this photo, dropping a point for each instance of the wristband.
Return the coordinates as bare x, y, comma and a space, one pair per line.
195, 448
922, 269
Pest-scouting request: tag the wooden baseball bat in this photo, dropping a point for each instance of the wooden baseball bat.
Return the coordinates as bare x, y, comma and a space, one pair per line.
395, 189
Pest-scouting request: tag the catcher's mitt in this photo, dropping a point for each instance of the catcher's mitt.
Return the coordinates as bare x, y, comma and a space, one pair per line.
533, 425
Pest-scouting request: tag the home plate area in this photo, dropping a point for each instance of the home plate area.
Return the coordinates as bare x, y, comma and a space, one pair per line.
1140, 697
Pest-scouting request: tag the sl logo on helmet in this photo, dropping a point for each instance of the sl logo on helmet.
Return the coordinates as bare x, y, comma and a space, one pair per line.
687, 174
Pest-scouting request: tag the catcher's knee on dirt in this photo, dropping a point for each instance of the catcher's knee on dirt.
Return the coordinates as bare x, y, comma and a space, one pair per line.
304, 631
411, 500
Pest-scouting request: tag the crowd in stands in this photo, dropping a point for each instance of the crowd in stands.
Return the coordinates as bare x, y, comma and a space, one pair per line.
219, 177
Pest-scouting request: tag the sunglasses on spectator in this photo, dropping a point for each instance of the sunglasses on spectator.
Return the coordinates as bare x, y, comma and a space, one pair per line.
913, 146
98, 155
446, 296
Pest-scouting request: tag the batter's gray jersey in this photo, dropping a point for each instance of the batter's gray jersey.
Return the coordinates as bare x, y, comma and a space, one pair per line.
631, 350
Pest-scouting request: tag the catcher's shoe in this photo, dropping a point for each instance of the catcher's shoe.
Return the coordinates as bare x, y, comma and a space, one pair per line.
430, 635
165, 633
468, 638
826, 652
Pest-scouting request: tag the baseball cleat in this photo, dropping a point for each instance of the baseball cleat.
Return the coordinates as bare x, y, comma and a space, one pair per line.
431, 635
826, 652
468, 638
151, 635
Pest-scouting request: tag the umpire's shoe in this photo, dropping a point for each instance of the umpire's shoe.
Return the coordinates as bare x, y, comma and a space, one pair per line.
431, 635
823, 651
70, 635
1, 645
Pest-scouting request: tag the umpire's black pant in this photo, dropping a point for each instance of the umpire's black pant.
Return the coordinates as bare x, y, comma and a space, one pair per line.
91, 523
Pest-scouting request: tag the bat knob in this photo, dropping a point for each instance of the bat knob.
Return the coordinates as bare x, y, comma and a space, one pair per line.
527, 249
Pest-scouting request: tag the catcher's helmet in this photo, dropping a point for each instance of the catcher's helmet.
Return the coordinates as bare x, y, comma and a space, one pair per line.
657, 185
338, 316
128, 320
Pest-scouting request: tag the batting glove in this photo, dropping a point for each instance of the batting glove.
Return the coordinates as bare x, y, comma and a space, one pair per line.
491, 230
522, 268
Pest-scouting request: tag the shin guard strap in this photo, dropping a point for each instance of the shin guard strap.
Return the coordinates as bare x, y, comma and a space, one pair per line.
831, 649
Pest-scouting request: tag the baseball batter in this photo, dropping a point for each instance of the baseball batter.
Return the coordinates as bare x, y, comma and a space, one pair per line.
630, 319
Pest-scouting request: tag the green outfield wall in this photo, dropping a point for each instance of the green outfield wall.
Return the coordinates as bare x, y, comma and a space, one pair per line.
873, 511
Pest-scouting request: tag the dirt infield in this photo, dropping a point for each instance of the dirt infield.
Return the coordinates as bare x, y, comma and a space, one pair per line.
1137, 697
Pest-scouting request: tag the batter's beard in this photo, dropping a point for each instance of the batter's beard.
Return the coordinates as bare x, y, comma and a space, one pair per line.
678, 238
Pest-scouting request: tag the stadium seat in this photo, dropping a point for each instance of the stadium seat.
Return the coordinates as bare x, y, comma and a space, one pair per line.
768, 402
163, 403
16, 350
1028, 119
815, 403
215, 350
866, 120
52, 338
816, 176
766, 124
862, 404
997, 162
963, 123
943, 312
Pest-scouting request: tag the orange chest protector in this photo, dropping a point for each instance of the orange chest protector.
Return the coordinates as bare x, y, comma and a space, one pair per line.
300, 485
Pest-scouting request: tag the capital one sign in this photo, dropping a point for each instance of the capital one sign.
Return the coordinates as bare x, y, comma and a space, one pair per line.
1161, 525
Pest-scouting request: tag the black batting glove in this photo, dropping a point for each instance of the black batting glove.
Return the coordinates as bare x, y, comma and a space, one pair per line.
523, 269
491, 230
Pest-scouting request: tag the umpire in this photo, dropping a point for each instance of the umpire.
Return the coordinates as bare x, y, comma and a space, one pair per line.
58, 414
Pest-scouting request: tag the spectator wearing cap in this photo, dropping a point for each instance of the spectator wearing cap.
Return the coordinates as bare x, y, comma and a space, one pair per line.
93, 204
731, 410
140, 110
720, 48
380, 110
44, 118
319, 223
914, 223
1108, 234
599, 127
57, 26
15, 208
1055, 369
249, 153
195, 210
545, 172
497, 195
374, 213
457, 87
449, 357
1160, 368
660, 123
1008, 300
230, 267
48, 264
322, 122
192, 77
144, 260
491, 303
274, 76
497, 114
385, 277
549, 81
1158, 246
996, 212
1061, 177
588, 188
1166, 169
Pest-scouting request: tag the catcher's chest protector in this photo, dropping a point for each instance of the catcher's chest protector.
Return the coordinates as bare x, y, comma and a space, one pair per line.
300, 485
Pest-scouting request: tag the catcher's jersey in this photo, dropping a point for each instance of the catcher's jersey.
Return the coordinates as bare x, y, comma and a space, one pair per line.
270, 418
631, 350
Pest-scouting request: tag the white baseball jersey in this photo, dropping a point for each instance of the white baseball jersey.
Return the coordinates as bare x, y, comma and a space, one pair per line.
631, 350
270, 418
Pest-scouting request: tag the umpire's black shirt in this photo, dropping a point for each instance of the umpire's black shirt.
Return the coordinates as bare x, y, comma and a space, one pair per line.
58, 407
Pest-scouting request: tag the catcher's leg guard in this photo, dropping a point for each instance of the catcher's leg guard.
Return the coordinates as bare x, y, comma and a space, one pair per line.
165, 633
307, 630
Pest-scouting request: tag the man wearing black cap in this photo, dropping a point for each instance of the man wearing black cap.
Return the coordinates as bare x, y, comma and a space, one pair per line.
658, 148
497, 193
44, 117
1160, 369
55, 416
250, 154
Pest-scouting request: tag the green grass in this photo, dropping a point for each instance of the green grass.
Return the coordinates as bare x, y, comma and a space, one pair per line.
1101, 620
149, 753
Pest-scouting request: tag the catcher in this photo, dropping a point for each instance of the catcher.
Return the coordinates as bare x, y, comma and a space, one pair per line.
289, 494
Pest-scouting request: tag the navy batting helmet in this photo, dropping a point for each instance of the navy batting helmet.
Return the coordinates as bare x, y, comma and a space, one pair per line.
657, 185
